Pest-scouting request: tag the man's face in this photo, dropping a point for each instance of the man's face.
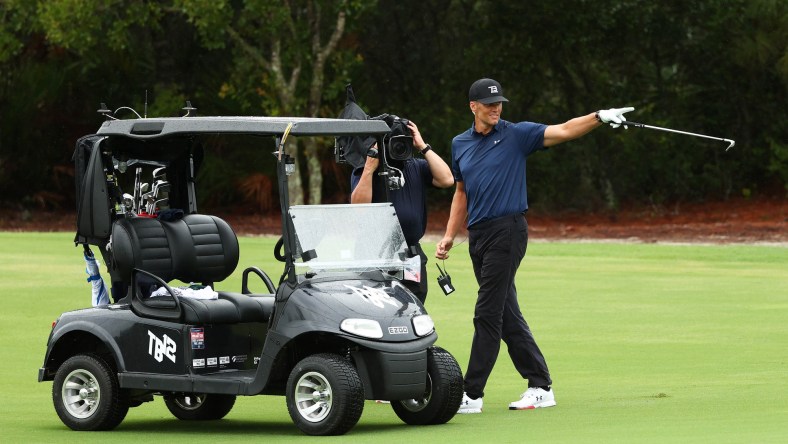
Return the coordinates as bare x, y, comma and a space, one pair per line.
487, 114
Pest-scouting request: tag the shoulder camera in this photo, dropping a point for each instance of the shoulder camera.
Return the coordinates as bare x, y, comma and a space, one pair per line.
399, 144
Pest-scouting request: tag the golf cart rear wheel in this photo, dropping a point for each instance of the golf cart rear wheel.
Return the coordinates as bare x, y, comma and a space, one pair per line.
324, 395
87, 396
199, 406
442, 395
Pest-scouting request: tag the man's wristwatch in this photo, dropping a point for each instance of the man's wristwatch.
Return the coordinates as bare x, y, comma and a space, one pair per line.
425, 149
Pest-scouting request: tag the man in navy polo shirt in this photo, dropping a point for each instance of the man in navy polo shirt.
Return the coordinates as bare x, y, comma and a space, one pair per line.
410, 201
488, 163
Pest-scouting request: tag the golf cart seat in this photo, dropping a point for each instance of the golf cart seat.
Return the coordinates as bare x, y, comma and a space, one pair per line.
197, 248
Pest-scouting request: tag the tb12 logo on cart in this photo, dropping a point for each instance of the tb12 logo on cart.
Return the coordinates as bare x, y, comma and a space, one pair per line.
161, 348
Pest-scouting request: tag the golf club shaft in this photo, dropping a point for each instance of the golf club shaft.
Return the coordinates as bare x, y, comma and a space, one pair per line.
137, 191
659, 128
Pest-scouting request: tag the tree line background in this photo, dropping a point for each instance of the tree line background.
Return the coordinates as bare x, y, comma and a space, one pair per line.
717, 67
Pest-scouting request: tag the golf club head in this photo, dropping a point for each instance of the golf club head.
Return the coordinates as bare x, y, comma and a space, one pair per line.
161, 204
150, 206
128, 203
162, 190
732, 142
157, 187
159, 173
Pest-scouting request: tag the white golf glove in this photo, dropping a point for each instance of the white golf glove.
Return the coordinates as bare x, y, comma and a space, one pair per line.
614, 116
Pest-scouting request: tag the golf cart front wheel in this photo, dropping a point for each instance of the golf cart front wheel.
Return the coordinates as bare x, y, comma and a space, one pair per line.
442, 395
87, 395
199, 406
324, 395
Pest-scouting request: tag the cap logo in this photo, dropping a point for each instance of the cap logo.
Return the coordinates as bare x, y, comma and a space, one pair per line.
493, 89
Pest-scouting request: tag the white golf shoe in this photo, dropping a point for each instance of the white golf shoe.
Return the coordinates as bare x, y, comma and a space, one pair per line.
534, 398
469, 405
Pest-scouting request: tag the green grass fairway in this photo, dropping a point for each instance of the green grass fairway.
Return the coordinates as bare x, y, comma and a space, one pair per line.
646, 343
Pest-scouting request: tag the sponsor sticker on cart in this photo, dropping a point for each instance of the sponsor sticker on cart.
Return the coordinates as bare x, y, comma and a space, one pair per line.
198, 363
211, 362
198, 338
224, 360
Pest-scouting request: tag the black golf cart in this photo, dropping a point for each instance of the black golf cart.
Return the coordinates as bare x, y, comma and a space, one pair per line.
338, 328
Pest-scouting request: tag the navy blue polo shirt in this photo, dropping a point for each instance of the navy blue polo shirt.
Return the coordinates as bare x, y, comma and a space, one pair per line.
492, 167
410, 201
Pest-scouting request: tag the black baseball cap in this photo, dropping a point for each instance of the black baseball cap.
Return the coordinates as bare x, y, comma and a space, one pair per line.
486, 91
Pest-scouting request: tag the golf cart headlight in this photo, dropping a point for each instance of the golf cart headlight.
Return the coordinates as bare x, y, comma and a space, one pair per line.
362, 327
423, 325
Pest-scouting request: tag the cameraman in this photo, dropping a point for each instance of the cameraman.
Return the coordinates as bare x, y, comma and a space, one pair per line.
410, 201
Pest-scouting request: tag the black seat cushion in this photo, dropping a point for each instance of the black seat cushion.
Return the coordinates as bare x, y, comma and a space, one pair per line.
250, 308
142, 243
197, 248
213, 253
208, 311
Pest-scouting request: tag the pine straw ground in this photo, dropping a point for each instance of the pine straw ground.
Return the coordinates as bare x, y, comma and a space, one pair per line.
763, 221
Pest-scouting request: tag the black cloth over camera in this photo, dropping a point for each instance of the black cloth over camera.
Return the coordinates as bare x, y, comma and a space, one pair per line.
354, 150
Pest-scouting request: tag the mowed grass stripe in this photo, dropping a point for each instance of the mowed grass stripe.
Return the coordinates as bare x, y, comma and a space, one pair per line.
646, 343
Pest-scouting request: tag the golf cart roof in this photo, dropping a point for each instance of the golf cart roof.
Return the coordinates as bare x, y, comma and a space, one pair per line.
150, 128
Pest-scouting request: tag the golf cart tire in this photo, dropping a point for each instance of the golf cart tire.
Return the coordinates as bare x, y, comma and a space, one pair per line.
325, 395
199, 406
443, 394
87, 395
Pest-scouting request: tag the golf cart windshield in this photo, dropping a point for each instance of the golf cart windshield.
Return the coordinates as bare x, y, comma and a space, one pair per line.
356, 238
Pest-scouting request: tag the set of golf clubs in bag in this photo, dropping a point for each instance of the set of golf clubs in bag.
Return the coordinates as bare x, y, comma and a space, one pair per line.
148, 199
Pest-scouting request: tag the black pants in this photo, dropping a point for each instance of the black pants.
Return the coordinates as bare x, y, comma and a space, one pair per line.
497, 247
419, 288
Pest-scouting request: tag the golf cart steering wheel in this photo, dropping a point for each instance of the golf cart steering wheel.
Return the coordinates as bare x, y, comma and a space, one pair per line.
279, 250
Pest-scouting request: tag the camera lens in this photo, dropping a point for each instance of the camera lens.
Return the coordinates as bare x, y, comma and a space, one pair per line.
401, 147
